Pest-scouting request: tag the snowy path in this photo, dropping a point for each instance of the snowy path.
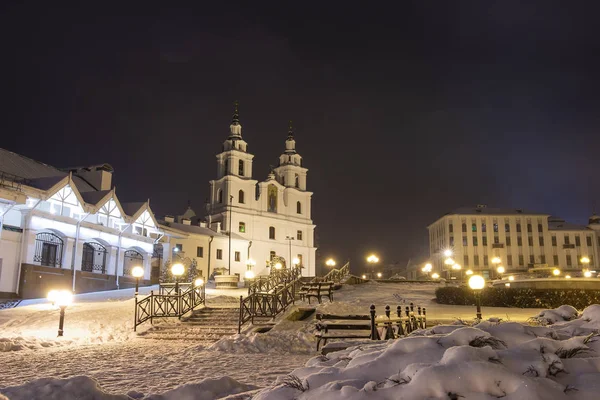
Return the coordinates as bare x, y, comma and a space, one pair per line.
146, 366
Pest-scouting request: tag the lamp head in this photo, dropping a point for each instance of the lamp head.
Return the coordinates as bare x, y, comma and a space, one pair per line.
199, 282
249, 274
448, 253
137, 271
296, 261
556, 272
469, 272
177, 269
500, 269
476, 282
435, 275
278, 266
64, 298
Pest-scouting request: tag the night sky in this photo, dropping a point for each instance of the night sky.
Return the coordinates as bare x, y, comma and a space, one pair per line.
403, 111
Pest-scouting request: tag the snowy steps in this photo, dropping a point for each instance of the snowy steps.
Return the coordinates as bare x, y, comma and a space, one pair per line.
205, 325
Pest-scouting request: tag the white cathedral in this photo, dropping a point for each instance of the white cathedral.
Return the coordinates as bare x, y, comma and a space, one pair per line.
267, 220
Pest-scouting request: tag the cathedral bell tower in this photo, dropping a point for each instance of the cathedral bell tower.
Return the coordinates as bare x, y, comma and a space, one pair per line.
290, 172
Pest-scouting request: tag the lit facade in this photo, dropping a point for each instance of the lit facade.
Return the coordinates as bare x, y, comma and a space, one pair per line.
523, 241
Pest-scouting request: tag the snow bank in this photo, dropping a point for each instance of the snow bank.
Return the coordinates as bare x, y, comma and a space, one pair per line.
490, 360
271, 342
75, 388
208, 389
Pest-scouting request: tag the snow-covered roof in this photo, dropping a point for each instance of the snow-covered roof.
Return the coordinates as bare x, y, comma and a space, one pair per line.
492, 211
94, 197
131, 209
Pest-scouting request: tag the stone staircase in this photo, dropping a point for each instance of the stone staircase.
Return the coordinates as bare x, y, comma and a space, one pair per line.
206, 325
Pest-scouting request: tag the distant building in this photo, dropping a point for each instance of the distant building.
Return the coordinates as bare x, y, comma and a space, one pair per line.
524, 241
66, 229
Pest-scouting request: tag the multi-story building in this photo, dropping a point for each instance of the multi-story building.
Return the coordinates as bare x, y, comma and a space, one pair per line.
66, 229
523, 241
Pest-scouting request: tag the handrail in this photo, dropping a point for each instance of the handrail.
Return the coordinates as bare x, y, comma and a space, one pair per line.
271, 282
336, 275
264, 304
168, 304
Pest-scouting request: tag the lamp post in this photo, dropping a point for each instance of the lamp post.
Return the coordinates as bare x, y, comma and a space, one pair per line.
372, 260
427, 269
230, 209
62, 299
500, 270
496, 261
379, 275
289, 239
585, 260
458, 267
449, 262
177, 270
137, 272
556, 272
476, 282
249, 274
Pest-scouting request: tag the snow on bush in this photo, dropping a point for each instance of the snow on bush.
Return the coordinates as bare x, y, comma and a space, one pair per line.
489, 360
562, 313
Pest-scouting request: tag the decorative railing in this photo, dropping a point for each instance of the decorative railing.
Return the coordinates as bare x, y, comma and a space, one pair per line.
264, 304
335, 275
271, 282
168, 303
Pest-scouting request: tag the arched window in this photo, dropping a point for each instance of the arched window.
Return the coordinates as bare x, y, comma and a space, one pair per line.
297, 181
94, 258
241, 168
220, 196
132, 259
48, 249
226, 167
298, 207
242, 227
272, 198
241, 197
271, 232
283, 180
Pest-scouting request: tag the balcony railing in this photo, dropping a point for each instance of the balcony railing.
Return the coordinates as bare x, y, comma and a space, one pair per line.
568, 246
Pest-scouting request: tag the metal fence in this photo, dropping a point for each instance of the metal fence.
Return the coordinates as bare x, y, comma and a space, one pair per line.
336, 275
168, 303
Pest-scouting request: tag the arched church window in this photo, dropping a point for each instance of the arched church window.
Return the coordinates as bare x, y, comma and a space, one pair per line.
226, 167
241, 197
297, 181
272, 198
220, 196
298, 207
241, 168
242, 227
271, 232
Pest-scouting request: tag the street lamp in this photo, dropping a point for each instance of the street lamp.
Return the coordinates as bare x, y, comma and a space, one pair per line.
469, 272
457, 267
289, 239
427, 269
199, 282
52, 296
500, 270
511, 278
568, 276
177, 270
587, 274
278, 266
296, 261
435, 275
379, 275
496, 261
330, 262
447, 253
476, 282
556, 272
137, 272
364, 276
249, 274
372, 260
62, 299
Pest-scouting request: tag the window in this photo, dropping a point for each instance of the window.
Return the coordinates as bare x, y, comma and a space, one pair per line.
509, 260
241, 168
299, 235
271, 255
518, 227
476, 260
465, 241
220, 196
200, 252
465, 260
93, 258
484, 240
474, 228
529, 229
48, 249
227, 167
298, 207
132, 259
521, 260
464, 228
241, 197
540, 228
589, 241
577, 241
483, 227
519, 241
219, 254
567, 239
541, 240
237, 256
272, 198
242, 227
531, 259
451, 241
297, 181
508, 240
568, 260
450, 228
485, 260
555, 259
496, 240
271, 232
530, 241
495, 227
506, 227
474, 240
553, 240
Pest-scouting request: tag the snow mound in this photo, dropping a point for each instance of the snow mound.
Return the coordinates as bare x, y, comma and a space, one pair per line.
560, 314
75, 388
490, 360
207, 389
270, 342
17, 343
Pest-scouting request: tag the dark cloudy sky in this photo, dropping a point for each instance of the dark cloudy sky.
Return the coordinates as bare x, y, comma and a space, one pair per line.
403, 110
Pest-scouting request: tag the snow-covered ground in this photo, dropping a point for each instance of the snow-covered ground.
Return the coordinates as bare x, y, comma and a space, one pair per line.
100, 344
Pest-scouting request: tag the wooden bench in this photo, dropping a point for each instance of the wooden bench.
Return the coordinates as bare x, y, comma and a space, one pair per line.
318, 291
342, 327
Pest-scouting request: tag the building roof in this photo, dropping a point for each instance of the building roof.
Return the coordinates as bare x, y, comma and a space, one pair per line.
94, 197
132, 208
493, 211
33, 172
560, 225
